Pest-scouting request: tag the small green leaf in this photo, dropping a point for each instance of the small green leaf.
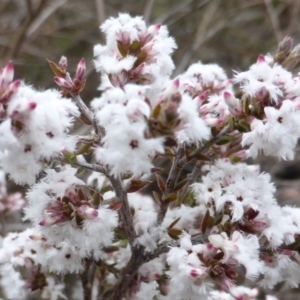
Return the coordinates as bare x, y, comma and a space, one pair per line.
135, 46
225, 139
140, 59
170, 198
156, 111
122, 49
174, 233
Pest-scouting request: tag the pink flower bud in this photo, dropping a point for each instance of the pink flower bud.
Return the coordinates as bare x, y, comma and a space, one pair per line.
233, 103
63, 83
80, 71
223, 85
154, 29
32, 105
171, 89
194, 273
261, 59
211, 122
63, 62
7, 75
243, 154
87, 212
203, 97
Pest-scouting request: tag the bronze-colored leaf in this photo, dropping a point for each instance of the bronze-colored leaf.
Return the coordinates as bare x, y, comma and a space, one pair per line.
225, 139
160, 182
157, 198
174, 233
207, 222
174, 223
140, 59
181, 184
122, 49
85, 120
56, 69
202, 157
170, 198
136, 184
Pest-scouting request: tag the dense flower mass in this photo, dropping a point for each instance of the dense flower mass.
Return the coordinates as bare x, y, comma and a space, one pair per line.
113, 213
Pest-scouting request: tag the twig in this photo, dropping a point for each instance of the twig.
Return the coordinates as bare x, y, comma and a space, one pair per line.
82, 164
44, 15
274, 20
100, 6
199, 239
125, 212
192, 177
225, 130
173, 177
31, 16
86, 284
147, 9
127, 276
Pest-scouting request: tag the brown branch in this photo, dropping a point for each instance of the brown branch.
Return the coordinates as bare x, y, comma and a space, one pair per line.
124, 211
225, 130
82, 164
173, 177
85, 280
100, 6
274, 20
128, 274
147, 9
192, 177
21, 35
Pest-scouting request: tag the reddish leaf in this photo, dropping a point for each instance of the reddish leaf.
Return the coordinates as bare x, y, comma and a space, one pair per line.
207, 222
174, 233
180, 185
136, 185
170, 198
174, 223
116, 206
160, 182
56, 69
202, 157
157, 197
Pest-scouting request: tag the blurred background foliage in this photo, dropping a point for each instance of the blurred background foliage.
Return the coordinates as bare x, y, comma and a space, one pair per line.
229, 32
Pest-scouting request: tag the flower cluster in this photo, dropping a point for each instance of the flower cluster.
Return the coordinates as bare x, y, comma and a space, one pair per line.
183, 237
34, 128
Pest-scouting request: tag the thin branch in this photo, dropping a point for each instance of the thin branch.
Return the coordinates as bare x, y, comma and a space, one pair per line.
199, 239
274, 20
82, 164
147, 9
86, 284
192, 177
225, 130
20, 38
173, 177
100, 6
44, 15
124, 211
172, 11
128, 274
202, 34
